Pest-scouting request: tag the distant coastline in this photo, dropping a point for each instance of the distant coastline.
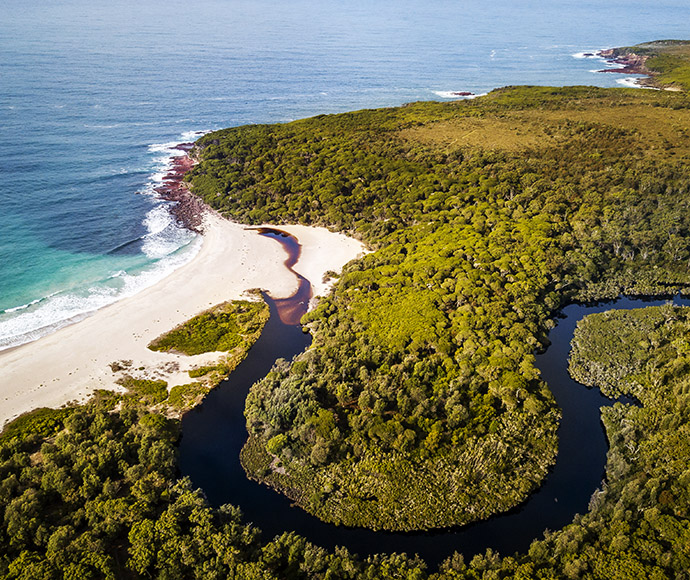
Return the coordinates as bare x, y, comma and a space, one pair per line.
660, 64
629, 63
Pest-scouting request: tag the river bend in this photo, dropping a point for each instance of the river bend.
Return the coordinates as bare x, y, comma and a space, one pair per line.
213, 435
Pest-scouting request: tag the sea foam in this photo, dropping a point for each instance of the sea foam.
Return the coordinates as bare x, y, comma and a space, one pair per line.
44, 316
634, 83
587, 54
455, 95
165, 247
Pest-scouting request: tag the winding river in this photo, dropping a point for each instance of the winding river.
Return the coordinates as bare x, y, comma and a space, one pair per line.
214, 433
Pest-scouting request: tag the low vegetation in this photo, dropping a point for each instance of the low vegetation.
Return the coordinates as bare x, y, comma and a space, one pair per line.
145, 391
228, 327
231, 328
155, 395
184, 397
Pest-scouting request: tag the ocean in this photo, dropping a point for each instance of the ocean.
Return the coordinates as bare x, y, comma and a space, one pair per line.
95, 95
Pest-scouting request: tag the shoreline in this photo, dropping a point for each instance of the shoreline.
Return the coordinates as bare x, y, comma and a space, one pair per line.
178, 202
628, 63
186, 208
71, 363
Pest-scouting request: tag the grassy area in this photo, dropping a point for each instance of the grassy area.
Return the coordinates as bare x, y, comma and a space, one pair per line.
654, 130
155, 395
183, 397
147, 392
231, 328
223, 328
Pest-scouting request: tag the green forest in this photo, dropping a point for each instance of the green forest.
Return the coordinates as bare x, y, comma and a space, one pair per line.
418, 404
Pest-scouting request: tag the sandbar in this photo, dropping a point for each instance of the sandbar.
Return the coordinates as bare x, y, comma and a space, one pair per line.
71, 363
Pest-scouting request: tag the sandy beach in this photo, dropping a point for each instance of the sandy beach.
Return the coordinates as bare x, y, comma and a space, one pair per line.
71, 363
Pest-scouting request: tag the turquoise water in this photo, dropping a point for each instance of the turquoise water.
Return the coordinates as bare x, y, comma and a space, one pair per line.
93, 95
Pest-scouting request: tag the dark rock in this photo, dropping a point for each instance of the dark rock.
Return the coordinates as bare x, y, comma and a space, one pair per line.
187, 208
630, 63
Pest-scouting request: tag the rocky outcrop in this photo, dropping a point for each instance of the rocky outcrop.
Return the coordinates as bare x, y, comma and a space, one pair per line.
630, 63
187, 208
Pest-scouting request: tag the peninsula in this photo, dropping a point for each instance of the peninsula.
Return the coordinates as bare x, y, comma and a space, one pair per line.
664, 62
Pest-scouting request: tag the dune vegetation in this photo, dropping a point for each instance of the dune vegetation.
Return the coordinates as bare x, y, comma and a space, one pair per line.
225, 327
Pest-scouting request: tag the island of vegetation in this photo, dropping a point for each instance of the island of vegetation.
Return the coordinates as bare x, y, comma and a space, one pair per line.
418, 404
229, 329
232, 328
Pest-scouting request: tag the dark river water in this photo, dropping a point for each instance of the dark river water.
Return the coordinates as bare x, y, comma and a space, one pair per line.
213, 435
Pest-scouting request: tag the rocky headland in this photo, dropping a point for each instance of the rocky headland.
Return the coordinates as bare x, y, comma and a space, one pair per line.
187, 208
630, 63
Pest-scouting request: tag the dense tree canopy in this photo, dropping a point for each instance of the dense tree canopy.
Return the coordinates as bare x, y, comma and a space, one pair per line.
92, 493
422, 368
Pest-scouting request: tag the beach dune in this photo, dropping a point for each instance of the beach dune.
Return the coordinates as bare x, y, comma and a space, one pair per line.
71, 363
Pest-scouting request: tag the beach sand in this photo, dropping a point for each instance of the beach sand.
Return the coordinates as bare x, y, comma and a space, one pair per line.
71, 363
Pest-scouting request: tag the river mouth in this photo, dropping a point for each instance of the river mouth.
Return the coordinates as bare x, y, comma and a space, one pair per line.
290, 310
213, 435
